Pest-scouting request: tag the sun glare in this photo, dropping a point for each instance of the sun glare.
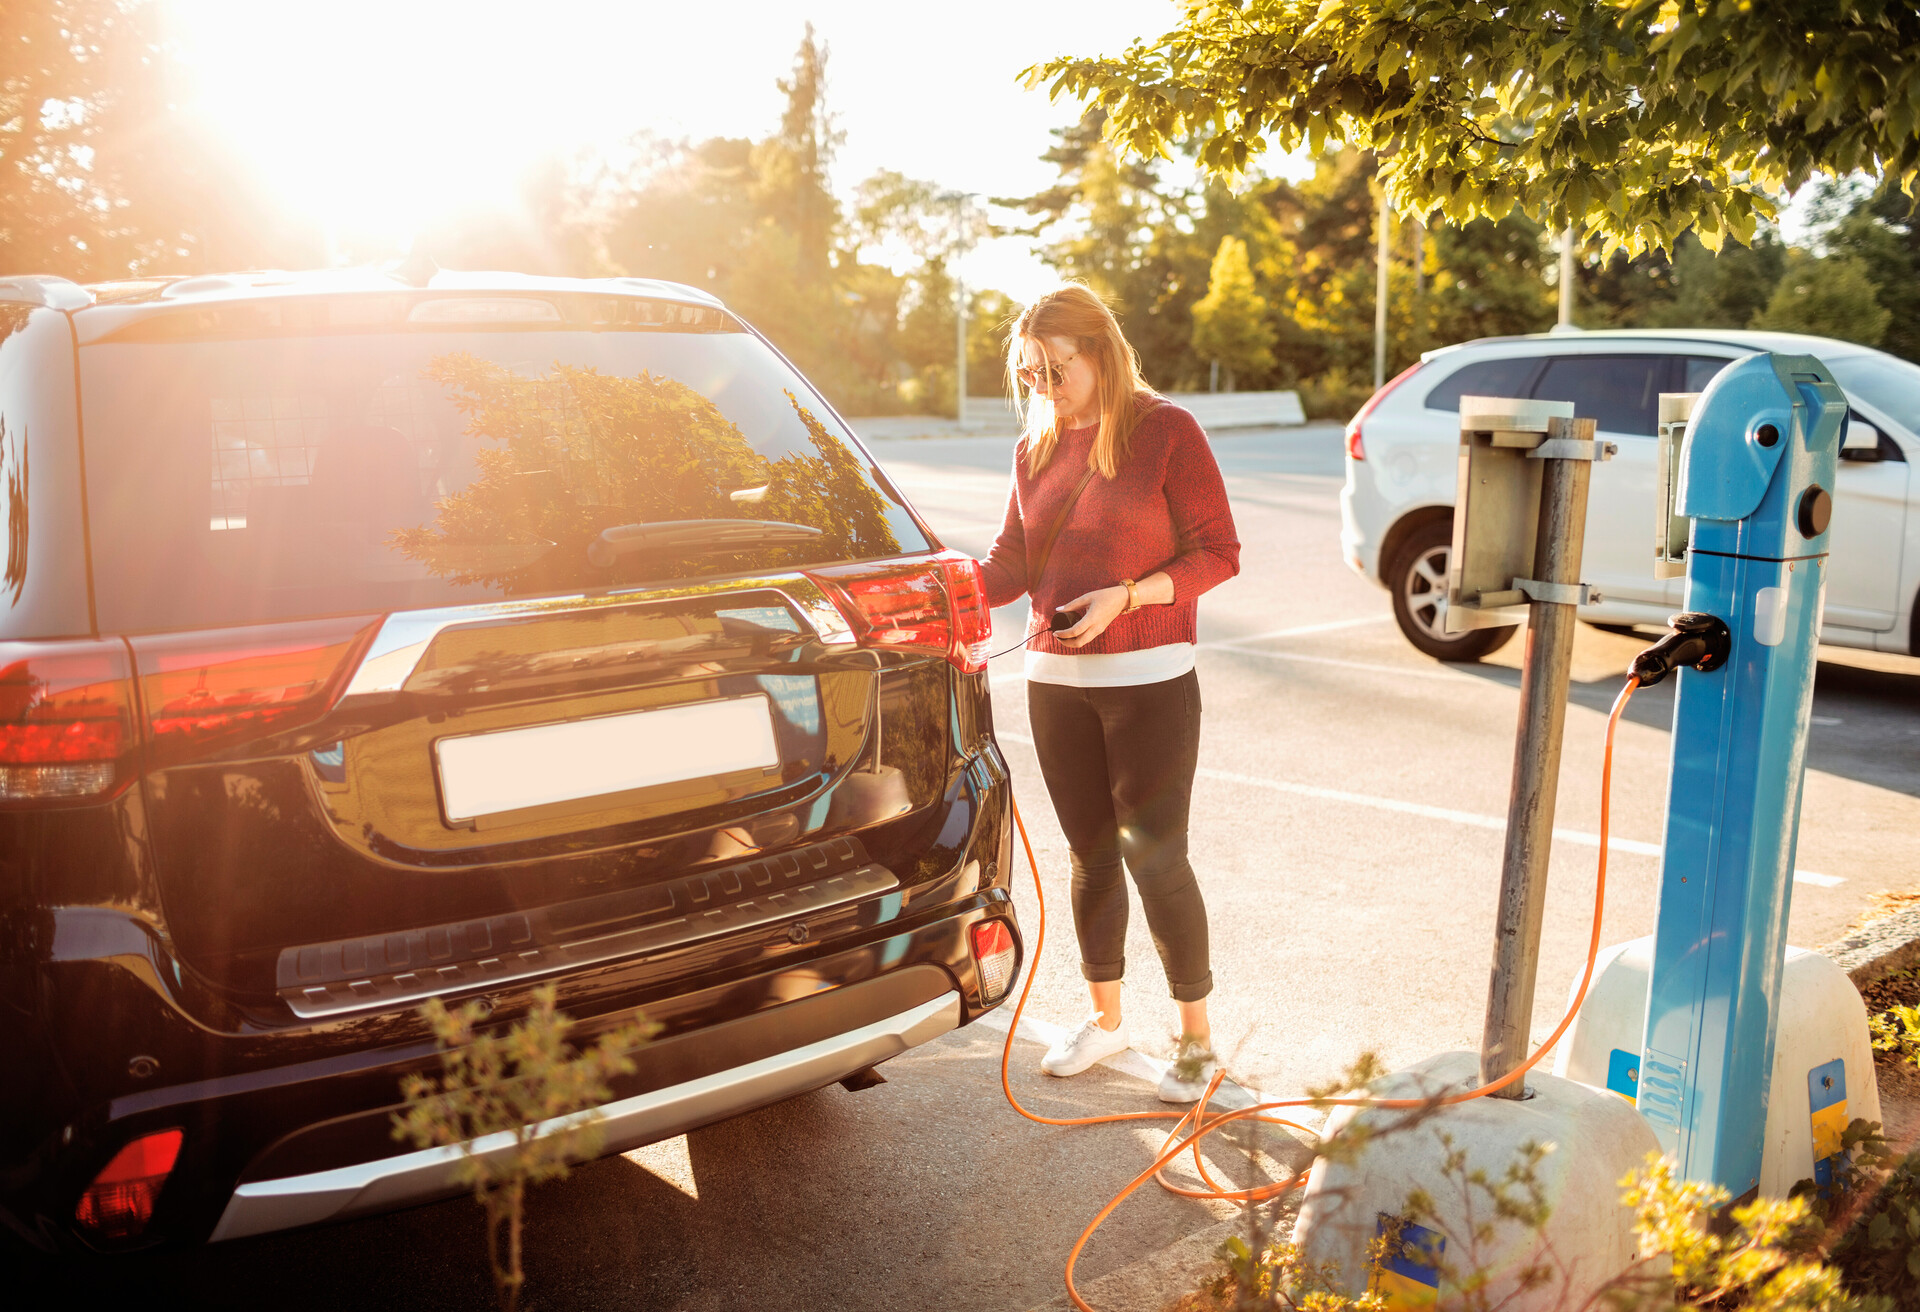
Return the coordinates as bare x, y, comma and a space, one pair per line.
376, 118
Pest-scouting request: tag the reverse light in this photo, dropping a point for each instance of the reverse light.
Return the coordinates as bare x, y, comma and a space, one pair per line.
66, 719
119, 1202
993, 949
215, 687
1355, 449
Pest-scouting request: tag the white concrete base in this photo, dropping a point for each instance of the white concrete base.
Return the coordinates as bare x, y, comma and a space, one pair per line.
1596, 1139
1822, 1020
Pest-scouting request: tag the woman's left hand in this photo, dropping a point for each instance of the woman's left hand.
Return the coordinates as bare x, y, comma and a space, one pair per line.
1102, 607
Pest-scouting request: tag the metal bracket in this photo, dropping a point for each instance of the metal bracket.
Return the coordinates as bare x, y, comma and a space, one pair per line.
1560, 594
1573, 448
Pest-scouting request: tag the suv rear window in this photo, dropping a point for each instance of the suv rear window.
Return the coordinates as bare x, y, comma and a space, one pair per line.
1508, 377
275, 477
1621, 393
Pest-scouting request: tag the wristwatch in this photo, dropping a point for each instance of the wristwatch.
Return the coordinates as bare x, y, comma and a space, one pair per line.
1133, 596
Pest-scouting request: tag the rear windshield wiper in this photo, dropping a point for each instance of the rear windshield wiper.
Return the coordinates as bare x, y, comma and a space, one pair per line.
695, 537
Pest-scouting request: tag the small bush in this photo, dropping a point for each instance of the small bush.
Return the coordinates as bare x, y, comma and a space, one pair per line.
519, 1083
1335, 394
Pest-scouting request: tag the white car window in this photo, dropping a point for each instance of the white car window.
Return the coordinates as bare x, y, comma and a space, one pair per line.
1504, 377
1621, 393
1701, 370
1882, 381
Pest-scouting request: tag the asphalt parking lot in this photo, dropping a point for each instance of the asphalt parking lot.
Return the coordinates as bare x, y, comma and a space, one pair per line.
1347, 831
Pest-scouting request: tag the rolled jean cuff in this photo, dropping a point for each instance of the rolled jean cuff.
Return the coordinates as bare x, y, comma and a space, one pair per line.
1106, 972
1190, 992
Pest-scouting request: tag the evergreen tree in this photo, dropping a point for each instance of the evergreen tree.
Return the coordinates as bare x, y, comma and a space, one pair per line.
1230, 323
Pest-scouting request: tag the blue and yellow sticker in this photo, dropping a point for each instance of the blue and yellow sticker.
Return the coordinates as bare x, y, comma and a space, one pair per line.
1827, 1099
1623, 1073
1407, 1276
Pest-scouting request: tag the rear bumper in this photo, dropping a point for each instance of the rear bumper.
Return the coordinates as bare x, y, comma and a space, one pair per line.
287, 1126
379, 1186
1363, 523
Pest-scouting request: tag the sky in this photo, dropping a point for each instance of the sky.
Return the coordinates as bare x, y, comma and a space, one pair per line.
375, 116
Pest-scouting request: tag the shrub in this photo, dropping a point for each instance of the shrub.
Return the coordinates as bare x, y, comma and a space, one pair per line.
527, 1083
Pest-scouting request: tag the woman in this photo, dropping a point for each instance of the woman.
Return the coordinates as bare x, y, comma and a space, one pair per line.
1118, 518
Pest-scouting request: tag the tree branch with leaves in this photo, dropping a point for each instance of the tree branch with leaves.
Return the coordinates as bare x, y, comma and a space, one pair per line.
1632, 121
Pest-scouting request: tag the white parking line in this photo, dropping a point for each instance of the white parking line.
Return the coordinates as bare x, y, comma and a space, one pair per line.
1474, 819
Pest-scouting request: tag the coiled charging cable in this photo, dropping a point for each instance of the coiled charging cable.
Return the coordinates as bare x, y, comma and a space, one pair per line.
1195, 1124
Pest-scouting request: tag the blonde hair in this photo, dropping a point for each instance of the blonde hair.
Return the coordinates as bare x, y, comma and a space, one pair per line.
1075, 312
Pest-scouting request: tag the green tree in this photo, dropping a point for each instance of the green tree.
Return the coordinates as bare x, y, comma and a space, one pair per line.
1689, 287
1633, 120
1832, 297
1879, 227
1230, 322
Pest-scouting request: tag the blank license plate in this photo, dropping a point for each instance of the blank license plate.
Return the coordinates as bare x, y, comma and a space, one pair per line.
517, 769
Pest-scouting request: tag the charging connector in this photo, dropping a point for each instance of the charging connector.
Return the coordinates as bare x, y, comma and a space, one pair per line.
1698, 642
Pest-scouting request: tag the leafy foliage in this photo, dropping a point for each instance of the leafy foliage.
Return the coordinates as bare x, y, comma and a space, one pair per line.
1832, 297
1634, 120
528, 1085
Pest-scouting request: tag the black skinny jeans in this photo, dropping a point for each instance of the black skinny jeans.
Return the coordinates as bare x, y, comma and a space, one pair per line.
1119, 766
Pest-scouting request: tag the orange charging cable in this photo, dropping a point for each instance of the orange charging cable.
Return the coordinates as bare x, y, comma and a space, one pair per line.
1195, 1124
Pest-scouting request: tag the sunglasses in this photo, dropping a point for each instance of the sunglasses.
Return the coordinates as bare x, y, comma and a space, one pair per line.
1055, 373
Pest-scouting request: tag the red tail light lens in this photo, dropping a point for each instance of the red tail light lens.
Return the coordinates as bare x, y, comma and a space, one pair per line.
993, 949
208, 689
972, 618
66, 719
1355, 450
119, 1202
931, 605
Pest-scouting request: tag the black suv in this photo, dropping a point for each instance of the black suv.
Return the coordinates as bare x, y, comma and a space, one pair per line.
366, 638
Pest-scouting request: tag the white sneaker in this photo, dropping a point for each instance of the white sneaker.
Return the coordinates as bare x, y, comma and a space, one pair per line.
1085, 1046
1188, 1075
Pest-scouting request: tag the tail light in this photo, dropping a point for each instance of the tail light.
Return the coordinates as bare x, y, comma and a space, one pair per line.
993, 949
928, 605
972, 618
67, 726
207, 689
119, 1202
1355, 451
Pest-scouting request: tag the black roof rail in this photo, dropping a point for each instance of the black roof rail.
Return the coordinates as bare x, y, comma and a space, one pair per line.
45, 289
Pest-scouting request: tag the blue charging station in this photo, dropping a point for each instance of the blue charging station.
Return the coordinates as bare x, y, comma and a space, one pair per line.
1756, 476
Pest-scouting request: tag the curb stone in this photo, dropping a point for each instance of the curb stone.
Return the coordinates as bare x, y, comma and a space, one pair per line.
1878, 948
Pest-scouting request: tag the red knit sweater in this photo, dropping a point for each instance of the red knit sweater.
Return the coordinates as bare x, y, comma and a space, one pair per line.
1165, 509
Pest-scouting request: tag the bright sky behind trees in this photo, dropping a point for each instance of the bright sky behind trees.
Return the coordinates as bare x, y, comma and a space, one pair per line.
378, 115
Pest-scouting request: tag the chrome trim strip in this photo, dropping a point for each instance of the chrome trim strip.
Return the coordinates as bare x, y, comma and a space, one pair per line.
380, 992
264, 1206
405, 635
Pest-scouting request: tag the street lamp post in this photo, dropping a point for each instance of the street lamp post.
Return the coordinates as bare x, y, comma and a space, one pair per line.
963, 242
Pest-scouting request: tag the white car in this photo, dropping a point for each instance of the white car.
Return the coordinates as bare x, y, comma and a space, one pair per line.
1396, 511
